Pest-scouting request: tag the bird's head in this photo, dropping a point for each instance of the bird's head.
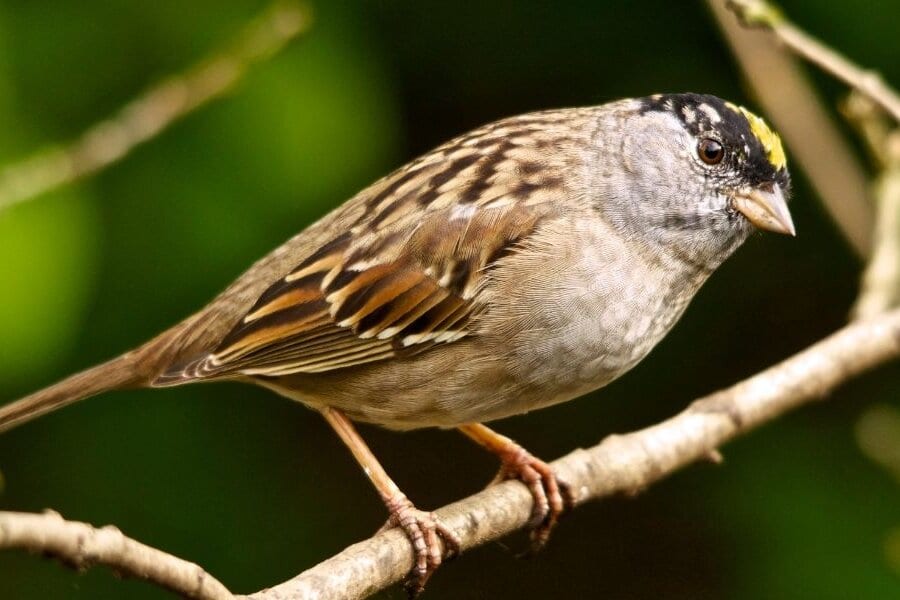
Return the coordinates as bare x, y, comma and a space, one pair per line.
699, 174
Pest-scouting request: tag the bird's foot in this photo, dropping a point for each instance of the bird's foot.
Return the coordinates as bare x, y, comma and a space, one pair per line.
552, 497
425, 532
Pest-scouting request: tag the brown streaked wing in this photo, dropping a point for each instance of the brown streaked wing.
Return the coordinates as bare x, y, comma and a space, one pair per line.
340, 317
407, 275
305, 337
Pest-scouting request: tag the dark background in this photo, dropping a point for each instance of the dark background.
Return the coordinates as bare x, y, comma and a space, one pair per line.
255, 488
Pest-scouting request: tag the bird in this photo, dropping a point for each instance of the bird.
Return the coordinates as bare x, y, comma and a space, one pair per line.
520, 265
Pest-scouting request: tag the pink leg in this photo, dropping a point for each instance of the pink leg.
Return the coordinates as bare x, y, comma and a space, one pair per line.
424, 529
551, 496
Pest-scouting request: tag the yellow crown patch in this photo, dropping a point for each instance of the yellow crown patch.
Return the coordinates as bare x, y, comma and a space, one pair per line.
770, 141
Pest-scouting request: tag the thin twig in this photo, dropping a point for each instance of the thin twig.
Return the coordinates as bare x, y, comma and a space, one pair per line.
759, 13
873, 126
619, 464
880, 289
148, 115
81, 546
880, 286
787, 97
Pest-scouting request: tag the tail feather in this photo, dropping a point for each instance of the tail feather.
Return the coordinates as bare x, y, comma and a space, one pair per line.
118, 373
137, 368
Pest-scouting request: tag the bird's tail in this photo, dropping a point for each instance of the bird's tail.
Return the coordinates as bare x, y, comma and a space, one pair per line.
134, 369
120, 372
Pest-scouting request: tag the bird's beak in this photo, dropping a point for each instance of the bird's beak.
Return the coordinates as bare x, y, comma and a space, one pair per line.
765, 208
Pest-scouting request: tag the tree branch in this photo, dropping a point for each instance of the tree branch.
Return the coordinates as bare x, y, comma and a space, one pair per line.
759, 13
788, 98
619, 464
81, 546
820, 149
880, 286
148, 115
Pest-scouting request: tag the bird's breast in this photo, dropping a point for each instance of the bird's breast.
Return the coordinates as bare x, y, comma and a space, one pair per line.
584, 317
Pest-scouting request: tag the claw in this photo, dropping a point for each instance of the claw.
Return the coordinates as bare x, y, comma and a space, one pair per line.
425, 532
551, 496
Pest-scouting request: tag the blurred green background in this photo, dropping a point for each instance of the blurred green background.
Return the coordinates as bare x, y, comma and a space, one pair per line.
255, 488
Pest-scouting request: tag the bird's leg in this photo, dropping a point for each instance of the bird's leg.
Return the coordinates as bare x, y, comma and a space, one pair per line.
551, 496
423, 529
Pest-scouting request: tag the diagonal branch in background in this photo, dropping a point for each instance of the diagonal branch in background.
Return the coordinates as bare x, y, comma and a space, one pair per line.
620, 464
759, 13
788, 98
833, 170
148, 115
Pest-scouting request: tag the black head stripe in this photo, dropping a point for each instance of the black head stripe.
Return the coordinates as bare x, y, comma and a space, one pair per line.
705, 115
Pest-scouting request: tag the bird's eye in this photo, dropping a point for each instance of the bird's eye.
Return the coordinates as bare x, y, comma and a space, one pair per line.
710, 151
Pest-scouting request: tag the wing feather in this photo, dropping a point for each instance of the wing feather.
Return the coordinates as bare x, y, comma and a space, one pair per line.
407, 270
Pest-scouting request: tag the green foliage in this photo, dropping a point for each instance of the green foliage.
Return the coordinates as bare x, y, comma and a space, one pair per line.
48, 259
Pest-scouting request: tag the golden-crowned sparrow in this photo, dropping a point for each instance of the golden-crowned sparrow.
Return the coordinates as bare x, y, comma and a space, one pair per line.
520, 265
